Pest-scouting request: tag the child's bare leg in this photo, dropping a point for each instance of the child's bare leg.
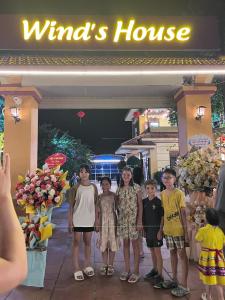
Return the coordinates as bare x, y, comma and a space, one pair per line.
159, 261
105, 257
87, 248
140, 241
154, 260
136, 252
111, 257
75, 251
219, 290
174, 263
208, 290
126, 253
184, 266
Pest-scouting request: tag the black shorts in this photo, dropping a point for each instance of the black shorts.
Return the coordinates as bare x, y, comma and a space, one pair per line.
154, 243
83, 229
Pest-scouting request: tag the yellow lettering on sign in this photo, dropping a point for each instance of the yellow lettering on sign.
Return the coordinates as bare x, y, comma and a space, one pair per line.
82, 33
35, 29
183, 34
156, 34
102, 33
64, 31
120, 29
170, 34
128, 32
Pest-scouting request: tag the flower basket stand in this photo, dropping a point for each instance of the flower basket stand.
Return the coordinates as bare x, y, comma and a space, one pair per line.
36, 259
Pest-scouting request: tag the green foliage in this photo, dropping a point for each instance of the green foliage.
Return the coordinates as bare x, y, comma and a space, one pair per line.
121, 165
133, 162
173, 115
1, 141
157, 176
217, 100
52, 140
2, 105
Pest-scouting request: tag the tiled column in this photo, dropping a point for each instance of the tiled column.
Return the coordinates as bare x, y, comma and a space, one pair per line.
21, 138
188, 99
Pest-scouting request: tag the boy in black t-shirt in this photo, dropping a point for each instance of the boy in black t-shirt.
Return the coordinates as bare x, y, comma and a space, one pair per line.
152, 222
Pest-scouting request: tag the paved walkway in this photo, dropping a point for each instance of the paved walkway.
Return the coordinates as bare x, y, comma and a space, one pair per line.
60, 284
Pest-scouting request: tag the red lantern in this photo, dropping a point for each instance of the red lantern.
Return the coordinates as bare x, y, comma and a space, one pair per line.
136, 114
81, 114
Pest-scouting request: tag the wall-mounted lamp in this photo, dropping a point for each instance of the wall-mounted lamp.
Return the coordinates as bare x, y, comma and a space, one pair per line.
200, 112
15, 109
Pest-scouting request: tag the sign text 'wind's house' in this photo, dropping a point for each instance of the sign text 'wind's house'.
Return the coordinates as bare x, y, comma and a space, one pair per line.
121, 32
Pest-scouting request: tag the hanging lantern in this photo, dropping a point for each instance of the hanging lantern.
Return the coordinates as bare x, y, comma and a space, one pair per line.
81, 115
136, 114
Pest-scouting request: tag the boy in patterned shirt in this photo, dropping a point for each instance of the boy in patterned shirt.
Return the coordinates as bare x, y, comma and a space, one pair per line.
175, 231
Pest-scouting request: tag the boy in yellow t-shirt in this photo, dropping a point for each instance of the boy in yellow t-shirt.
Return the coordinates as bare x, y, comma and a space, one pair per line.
175, 231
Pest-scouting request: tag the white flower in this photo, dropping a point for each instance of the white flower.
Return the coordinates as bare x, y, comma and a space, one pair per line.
52, 192
53, 178
46, 178
39, 194
57, 199
48, 187
27, 187
38, 182
27, 179
45, 167
37, 189
24, 225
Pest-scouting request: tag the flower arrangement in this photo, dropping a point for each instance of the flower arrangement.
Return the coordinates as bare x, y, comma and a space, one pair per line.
198, 170
36, 231
42, 189
197, 206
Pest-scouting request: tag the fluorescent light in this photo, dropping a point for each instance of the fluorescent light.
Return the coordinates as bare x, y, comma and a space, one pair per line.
89, 72
105, 161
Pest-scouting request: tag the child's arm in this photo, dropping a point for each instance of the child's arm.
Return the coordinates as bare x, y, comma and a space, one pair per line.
71, 197
140, 211
97, 214
184, 223
160, 232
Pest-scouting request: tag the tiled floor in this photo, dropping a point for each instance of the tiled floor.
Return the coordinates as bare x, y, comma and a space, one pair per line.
60, 285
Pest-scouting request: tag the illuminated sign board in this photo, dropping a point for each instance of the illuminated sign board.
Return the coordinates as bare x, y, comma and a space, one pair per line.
108, 33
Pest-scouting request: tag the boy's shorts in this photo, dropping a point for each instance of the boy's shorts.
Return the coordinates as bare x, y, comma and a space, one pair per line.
154, 243
175, 242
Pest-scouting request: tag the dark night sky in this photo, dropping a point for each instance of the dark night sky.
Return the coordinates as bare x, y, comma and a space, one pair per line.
103, 130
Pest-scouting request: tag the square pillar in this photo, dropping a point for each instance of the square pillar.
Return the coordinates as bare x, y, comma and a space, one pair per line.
191, 131
153, 161
21, 138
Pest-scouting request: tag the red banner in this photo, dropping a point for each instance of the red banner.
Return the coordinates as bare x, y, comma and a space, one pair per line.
57, 159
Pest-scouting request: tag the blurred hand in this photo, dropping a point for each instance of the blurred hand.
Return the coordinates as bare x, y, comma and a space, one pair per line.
159, 235
5, 180
139, 227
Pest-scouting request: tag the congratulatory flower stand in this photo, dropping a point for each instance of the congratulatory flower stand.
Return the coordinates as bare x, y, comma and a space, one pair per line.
197, 175
38, 193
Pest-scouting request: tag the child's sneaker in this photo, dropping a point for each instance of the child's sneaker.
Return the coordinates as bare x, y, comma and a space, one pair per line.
158, 284
103, 270
170, 284
151, 274
180, 291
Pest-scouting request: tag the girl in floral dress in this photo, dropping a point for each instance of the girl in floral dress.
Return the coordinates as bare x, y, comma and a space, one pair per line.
211, 262
129, 222
106, 217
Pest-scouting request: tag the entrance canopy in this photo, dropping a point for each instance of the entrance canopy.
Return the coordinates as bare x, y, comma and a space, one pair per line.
106, 81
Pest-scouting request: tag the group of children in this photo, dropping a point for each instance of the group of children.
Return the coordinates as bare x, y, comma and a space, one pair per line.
124, 215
